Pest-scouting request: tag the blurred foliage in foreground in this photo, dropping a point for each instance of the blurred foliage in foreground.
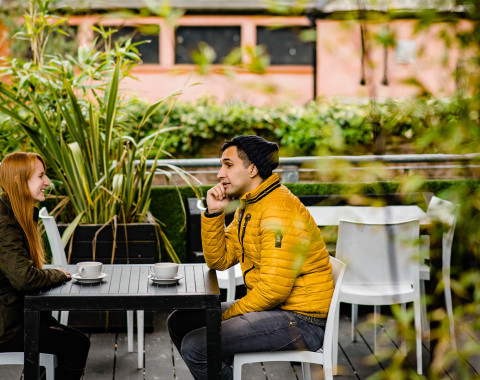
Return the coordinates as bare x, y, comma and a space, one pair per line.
454, 131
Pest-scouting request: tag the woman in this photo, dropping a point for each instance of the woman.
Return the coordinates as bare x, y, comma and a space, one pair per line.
23, 181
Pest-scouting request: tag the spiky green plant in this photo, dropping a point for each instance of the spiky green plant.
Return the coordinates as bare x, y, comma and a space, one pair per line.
75, 118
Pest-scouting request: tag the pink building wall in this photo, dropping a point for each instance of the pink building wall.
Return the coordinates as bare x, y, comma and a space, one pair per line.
339, 52
339, 63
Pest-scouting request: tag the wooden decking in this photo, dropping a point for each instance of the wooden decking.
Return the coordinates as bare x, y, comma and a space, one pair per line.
109, 359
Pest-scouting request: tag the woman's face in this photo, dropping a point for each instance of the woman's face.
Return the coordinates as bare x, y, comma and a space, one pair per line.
38, 182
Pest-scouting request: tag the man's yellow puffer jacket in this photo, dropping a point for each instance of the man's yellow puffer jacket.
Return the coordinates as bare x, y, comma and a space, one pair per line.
284, 260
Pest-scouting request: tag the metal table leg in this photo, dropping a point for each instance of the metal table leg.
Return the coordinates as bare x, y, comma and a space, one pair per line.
214, 343
31, 340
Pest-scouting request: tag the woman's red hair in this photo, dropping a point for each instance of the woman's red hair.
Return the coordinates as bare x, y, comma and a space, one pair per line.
15, 171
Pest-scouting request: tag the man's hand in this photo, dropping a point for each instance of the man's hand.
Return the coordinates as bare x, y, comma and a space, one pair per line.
217, 199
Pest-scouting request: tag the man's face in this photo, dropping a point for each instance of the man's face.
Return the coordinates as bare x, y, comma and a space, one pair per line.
234, 176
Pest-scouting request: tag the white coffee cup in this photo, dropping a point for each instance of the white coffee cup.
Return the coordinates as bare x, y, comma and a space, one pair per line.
164, 270
89, 269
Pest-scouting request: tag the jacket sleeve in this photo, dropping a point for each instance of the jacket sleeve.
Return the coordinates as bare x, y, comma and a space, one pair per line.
17, 266
284, 242
219, 243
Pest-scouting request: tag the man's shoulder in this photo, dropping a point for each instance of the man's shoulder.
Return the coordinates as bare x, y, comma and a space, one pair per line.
281, 199
282, 192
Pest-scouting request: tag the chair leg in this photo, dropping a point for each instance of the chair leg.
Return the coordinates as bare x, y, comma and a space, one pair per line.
329, 363
354, 321
334, 359
140, 336
418, 334
237, 369
130, 330
425, 322
64, 317
328, 373
449, 307
404, 341
376, 313
306, 371
50, 363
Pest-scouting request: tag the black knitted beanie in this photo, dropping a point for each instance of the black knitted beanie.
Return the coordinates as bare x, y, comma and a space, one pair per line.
262, 153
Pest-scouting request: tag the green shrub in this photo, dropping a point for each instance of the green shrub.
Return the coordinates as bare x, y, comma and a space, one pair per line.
322, 127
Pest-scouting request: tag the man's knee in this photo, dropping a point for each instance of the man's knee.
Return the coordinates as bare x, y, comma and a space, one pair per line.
193, 347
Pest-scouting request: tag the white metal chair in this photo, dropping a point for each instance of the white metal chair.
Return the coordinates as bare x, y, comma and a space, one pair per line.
230, 278
60, 259
445, 212
58, 252
49, 361
383, 268
322, 356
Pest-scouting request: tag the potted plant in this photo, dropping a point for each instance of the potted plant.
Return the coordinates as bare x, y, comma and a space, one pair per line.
73, 112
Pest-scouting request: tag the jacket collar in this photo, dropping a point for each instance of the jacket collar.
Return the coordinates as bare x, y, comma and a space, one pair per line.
265, 188
7, 206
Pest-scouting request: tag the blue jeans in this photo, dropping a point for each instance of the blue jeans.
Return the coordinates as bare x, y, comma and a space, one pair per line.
272, 330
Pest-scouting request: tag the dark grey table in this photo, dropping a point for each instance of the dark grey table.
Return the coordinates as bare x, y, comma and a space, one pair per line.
127, 287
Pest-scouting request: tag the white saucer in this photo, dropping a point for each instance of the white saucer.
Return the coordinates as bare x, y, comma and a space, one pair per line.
165, 281
88, 280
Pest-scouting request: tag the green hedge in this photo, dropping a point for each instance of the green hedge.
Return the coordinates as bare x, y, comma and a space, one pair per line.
167, 208
320, 127
317, 127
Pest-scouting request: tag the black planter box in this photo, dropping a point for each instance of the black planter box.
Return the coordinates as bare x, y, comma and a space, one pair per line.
138, 246
107, 321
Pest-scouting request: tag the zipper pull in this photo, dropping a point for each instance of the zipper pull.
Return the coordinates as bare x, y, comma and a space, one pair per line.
247, 218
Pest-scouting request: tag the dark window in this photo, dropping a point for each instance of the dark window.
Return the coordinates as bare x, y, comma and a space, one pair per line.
149, 51
285, 45
221, 38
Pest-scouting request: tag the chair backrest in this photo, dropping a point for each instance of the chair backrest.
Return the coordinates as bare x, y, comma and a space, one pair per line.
54, 238
338, 271
445, 212
379, 253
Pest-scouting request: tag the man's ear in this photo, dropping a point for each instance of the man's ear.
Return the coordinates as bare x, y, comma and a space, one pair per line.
252, 171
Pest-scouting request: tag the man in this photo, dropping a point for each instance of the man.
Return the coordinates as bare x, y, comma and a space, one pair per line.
284, 261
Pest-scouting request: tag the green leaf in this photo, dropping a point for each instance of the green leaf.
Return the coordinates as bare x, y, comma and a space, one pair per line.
67, 234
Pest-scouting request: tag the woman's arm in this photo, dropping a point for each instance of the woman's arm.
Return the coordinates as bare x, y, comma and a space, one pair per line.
16, 265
